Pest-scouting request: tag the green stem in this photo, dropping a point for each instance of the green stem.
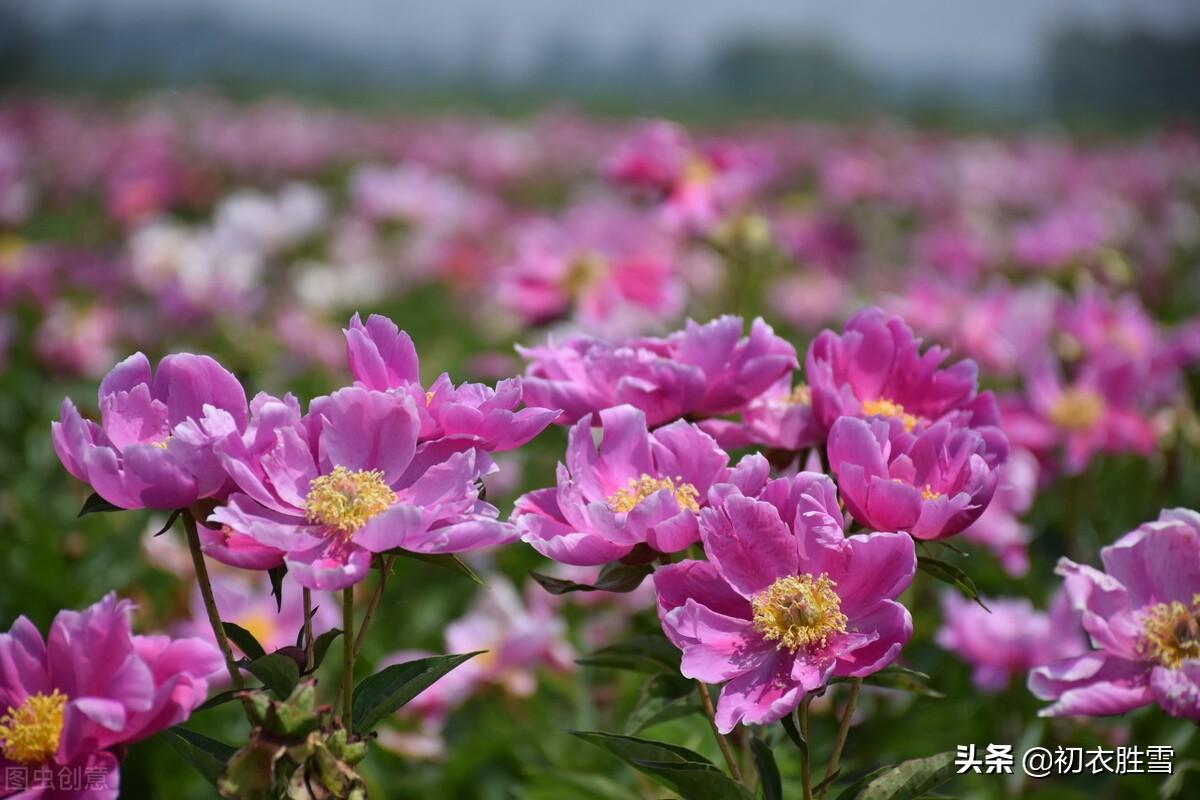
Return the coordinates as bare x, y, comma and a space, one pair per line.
805, 760
842, 732
348, 649
308, 633
210, 603
710, 712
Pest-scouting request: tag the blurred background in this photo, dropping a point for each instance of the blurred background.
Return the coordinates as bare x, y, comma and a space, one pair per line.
1021, 59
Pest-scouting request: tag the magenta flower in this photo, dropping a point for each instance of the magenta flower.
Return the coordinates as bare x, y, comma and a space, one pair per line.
348, 481
874, 368
1096, 413
1010, 640
780, 418
699, 371
86, 691
786, 601
932, 485
382, 357
636, 487
1142, 614
153, 446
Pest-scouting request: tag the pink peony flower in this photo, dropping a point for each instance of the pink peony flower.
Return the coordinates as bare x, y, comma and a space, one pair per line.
1096, 413
1142, 614
874, 368
700, 371
1010, 640
932, 484
86, 691
347, 481
153, 446
780, 418
786, 601
382, 358
636, 488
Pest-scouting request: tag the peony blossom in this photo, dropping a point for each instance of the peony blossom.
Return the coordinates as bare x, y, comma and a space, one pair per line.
786, 601
1010, 639
75, 699
382, 357
875, 368
1142, 614
348, 481
933, 484
153, 446
635, 488
699, 371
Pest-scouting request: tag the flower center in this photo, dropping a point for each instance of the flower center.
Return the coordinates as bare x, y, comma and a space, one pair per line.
346, 499
640, 488
583, 272
929, 494
801, 395
1077, 409
698, 170
30, 731
889, 408
799, 611
1171, 633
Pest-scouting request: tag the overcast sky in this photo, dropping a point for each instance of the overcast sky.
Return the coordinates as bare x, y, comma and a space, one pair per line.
997, 37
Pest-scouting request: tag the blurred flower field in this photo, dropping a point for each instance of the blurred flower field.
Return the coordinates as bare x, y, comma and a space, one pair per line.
865, 442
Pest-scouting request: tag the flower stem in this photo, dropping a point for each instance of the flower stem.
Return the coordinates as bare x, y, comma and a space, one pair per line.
806, 759
308, 633
210, 603
840, 742
384, 568
348, 649
710, 712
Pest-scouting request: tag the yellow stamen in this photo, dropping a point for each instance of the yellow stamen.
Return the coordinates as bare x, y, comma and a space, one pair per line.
31, 731
929, 494
1171, 633
800, 396
799, 611
888, 408
640, 488
584, 271
345, 499
1077, 409
428, 398
163, 444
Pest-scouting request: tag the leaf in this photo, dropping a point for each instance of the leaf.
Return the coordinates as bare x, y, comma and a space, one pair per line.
218, 700
948, 573
378, 695
904, 781
276, 575
899, 678
95, 504
664, 697
687, 772
170, 522
768, 770
793, 732
577, 786
444, 560
244, 640
321, 645
649, 653
207, 756
278, 672
614, 577
307, 620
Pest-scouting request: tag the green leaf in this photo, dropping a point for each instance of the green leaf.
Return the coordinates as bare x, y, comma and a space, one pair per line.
904, 781
793, 732
278, 672
380, 694
768, 770
218, 700
244, 640
649, 653
900, 678
207, 756
614, 577
444, 560
321, 645
95, 504
664, 697
685, 771
577, 786
948, 573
